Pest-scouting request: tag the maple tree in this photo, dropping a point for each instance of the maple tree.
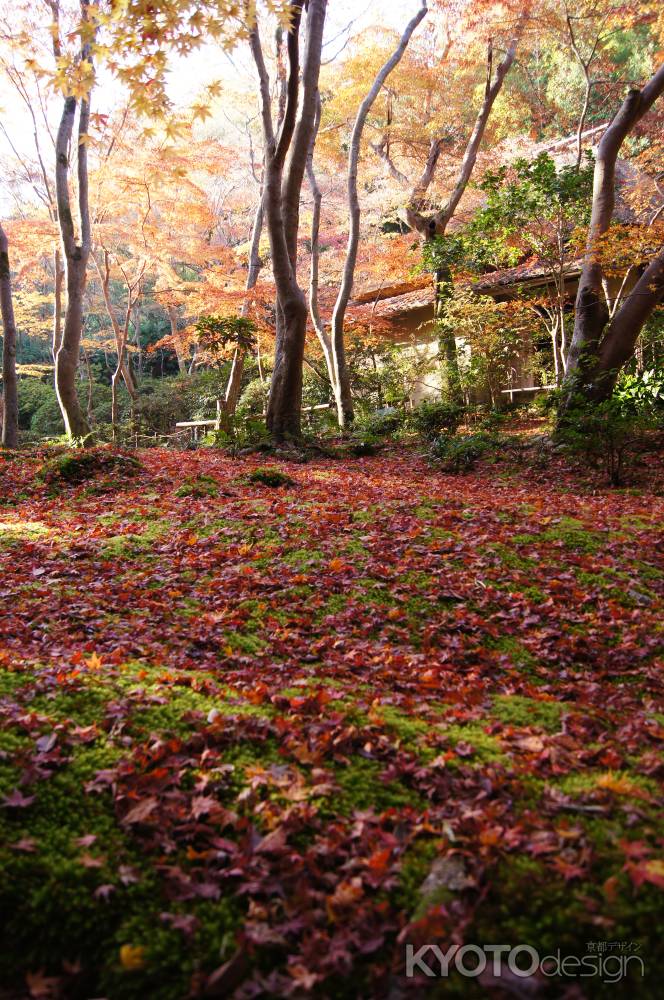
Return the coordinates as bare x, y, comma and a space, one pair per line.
602, 342
335, 651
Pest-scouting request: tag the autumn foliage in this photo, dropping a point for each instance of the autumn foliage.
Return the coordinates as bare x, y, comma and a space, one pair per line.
258, 737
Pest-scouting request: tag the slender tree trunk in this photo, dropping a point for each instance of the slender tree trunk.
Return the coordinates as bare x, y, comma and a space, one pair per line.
75, 253
430, 227
314, 309
137, 341
67, 358
342, 381
120, 334
58, 282
436, 224
281, 202
443, 290
603, 342
88, 368
9, 386
177, 340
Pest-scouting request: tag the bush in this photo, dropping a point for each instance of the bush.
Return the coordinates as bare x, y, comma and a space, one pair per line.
609, 435
364, 444
460, 454
381, 423
33, 395
432, 419
162, 403
253, 401
641, 393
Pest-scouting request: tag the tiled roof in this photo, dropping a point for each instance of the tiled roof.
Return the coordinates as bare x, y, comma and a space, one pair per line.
532, 272
396, 305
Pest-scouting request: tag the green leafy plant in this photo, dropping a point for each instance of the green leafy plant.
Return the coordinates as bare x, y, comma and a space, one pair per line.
431, 419
641, 392
215, 333
461, 453
608, 435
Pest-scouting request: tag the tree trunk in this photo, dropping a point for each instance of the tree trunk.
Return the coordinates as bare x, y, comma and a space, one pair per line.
443, 289
314, 309
285, 399
58, 282
9, 387
436, 224
177, 340
602, 343
281, 202
66, 360
75, 254
86, 359
342, 381
121, 334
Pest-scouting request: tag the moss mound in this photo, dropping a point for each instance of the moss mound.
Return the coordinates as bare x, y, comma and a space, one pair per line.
78, 466
270, 477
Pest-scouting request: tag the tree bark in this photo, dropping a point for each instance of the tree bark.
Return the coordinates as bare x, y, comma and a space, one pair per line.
75, 253
435, 225
281, 201
177, 340
9, 386
121, 333
342, 381
601, 343
58, 282
314, 309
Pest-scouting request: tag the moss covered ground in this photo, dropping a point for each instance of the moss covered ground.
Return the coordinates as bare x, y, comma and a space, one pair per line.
245, 717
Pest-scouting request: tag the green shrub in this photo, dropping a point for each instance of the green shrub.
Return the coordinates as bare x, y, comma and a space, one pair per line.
253, 401
433, 419
39, 410
461, 453
641, 393
365, 444
381, 423
46, 421
34, 395
608, 435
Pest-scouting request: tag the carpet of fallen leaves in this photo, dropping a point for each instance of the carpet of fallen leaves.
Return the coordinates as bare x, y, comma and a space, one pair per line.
253, 740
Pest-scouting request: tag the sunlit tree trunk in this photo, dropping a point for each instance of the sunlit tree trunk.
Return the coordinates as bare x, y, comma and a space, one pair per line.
603, 341
9, 387
58, 283
120, 333
178, 346
281, 203
75, 252
332, 344
342, 387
